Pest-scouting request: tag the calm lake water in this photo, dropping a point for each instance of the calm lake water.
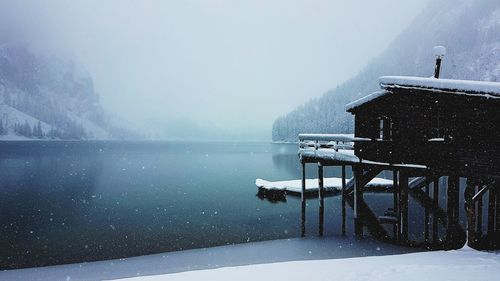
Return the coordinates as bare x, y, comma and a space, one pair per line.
65, 202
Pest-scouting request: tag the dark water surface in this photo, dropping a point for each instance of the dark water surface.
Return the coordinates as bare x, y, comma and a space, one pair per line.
65, 202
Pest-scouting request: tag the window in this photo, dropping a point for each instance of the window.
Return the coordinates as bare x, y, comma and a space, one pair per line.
385, 128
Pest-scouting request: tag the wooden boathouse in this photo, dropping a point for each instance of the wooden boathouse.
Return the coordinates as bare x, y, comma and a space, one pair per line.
421, 130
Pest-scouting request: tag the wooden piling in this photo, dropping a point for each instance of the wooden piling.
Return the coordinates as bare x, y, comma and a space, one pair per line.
426, 219
435, 197
452, 207
470, 208
491, 210
303, 194
358, 197
321, 198
395, 200
497, 208
403, 186
303, 219
479, 214
343, 200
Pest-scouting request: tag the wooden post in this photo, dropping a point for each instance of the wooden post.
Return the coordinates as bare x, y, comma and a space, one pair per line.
343, 199
303, 219
303, 194
479, 214
491, 211
320, 181
426, 219
395, 199
452, 207
303, 202
435, 197
403, 186
358, 198
321, 198
497, 208
470, 208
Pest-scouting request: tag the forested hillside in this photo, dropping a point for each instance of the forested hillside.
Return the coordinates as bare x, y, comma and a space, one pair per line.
470, 29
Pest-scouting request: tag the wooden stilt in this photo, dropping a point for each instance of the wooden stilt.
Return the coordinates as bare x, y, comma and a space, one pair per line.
358, 197
452, 208
470, 208
343, 200
303, 202
435, 197
303, 219
321, 198
303, 194
479, 215
426, 219
403, 186
491, 211
395, 200
497, 208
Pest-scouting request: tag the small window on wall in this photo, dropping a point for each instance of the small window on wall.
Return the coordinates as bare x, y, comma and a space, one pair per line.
385, 128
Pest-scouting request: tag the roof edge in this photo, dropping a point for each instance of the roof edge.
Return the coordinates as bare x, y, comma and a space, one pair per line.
353, 105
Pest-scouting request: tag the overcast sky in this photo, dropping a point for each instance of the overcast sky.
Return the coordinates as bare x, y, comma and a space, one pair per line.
229, 65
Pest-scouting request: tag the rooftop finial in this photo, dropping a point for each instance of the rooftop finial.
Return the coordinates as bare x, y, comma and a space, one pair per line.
439, 52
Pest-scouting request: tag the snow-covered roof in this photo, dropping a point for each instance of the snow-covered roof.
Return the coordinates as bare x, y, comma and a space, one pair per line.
464, 86
460, 87
366, 99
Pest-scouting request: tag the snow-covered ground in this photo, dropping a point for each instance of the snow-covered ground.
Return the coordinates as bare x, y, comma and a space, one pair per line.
210, 258
463, 264
333, 258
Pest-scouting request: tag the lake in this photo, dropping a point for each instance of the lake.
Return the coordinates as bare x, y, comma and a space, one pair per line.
65, 202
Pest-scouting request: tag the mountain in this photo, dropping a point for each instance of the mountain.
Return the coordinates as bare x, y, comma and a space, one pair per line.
46, 94
470, 29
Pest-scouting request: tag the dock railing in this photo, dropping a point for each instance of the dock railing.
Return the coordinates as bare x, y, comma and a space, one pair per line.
333, 141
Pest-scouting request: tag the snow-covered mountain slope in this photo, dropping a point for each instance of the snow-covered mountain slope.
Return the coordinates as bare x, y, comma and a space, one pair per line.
46, 89
470, 29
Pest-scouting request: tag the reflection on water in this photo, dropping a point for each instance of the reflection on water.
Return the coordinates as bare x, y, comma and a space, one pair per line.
63, 202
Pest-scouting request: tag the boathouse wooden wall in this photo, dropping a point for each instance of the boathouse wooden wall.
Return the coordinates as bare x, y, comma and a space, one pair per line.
410, 118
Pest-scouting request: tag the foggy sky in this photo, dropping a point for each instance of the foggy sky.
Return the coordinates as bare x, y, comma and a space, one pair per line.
232, 66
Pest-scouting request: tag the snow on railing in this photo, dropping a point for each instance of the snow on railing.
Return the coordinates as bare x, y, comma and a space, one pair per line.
333, 141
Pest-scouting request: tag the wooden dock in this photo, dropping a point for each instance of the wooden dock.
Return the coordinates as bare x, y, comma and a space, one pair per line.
409, 130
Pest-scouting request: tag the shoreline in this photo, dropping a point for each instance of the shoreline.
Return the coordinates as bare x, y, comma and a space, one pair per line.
273, 251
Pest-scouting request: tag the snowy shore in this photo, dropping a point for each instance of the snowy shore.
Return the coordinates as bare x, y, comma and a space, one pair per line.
210, 258
463, 264
293, 259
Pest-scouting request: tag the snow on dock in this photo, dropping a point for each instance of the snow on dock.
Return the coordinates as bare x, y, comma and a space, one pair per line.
312, 185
